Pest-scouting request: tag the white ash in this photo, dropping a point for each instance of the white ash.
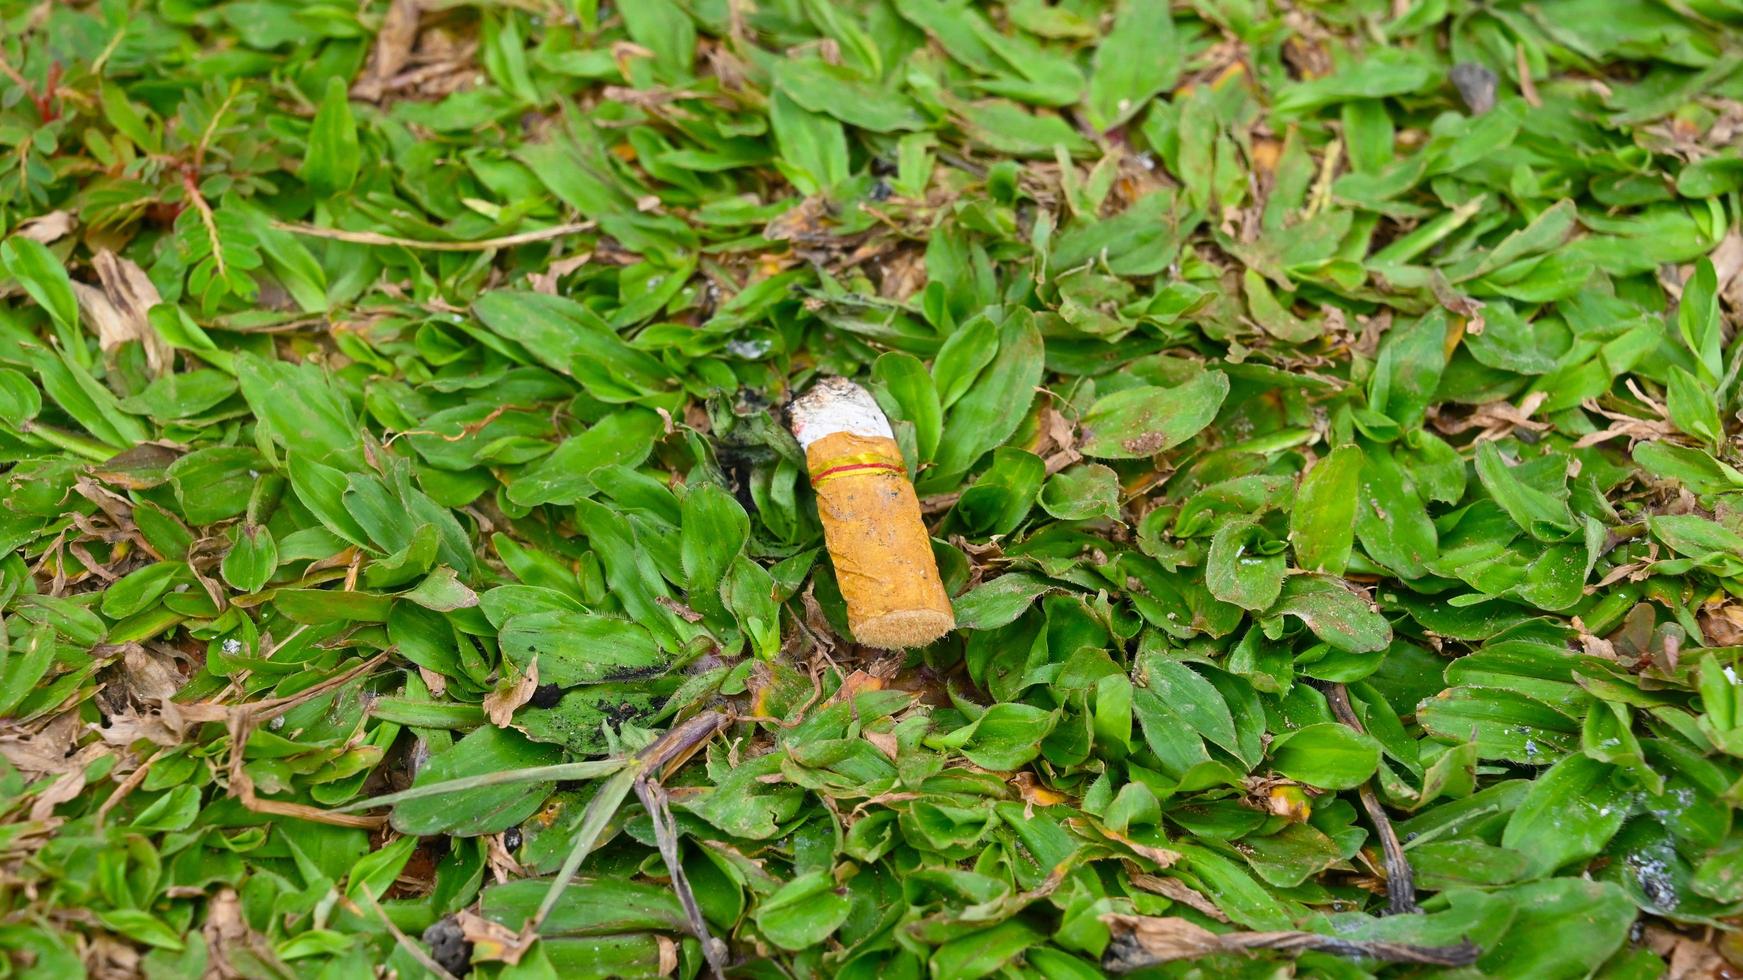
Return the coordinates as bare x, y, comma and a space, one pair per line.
836, 405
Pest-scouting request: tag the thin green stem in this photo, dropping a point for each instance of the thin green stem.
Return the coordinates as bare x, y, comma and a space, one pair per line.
71, 442
590, 769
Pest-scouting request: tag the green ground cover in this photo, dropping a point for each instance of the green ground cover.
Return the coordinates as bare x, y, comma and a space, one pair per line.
1326, 415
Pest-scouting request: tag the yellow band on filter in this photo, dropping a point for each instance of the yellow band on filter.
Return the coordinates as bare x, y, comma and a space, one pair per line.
855, 464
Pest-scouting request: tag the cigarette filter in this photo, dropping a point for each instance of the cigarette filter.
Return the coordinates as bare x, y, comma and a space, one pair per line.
871, 518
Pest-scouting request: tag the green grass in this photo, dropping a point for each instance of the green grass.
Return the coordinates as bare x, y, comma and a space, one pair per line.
1327, 418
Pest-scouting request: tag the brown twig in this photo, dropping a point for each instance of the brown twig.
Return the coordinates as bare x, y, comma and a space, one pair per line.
128, 785
242, 721
469, 429
412, 949
1400, 879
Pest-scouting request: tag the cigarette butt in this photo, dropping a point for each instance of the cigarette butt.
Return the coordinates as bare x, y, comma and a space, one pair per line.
871, 518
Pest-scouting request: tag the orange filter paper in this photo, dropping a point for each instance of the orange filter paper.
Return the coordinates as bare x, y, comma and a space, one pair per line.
882, 553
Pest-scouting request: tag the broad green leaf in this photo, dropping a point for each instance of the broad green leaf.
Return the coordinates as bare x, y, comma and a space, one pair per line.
1138, 58
1696, 537
1006, 736
1082, 492
20, 401
1693, 407
1244, 566
21, 668
588, 907
905, 392
813, 146
1388, 71
821, 87
624, 437
1002, 496
804, 912
1005, 127
749, 591
1504, 724
664, 27
990, 412
174, 810
1699, 324
252, 558
1334, 613
140, 926
715, 529
1327, 755
1541, 514
999, 602
1187, 694
984, 953
333, 158
1563, 926
1569, 815
573, 340
963, 355
45, 279
1697, 470
1322, 522
579, 647
301, 409
470, 812
1140, 422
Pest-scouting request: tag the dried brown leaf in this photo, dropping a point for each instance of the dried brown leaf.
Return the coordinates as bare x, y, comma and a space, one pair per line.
503, 866
118, 310
806, 223
65, 788
1688, 958
393, 49
1722, 624
224, 931
46, 228
1728, 267
1162, 857
1179, 891
546, 281
500, 704
107, 958
47, 749
1034, 794
883, 742
1494, 420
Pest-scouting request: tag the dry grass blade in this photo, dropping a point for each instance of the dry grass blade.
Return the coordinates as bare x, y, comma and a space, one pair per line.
653, 797
482, 245
1142, 941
